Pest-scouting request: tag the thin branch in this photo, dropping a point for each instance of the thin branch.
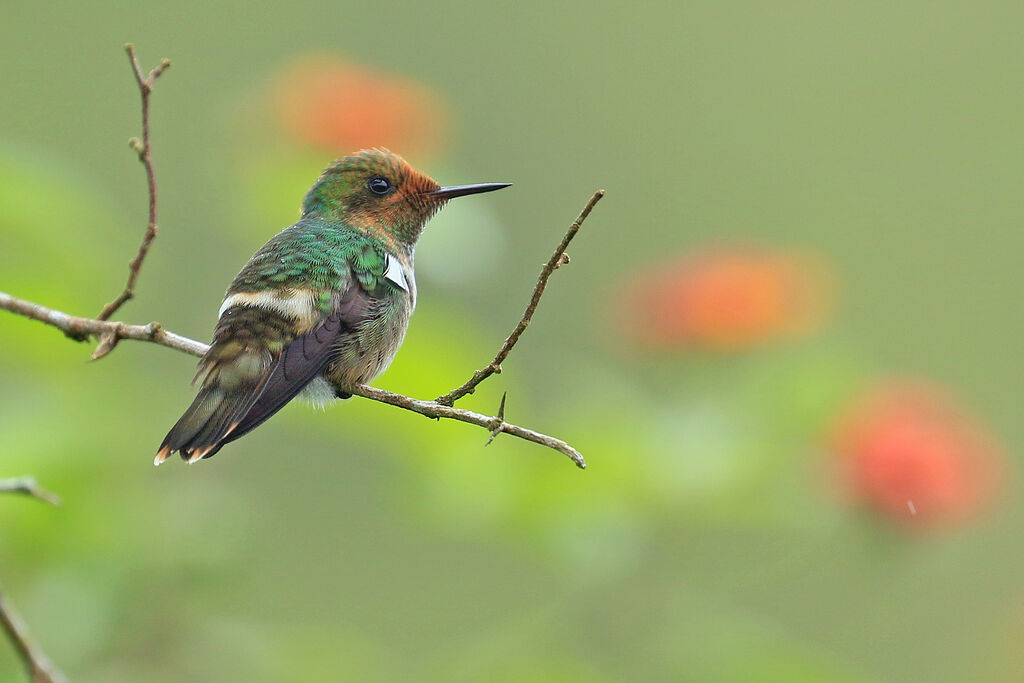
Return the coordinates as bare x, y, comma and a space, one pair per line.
28, 486
108, 332
142, 148
558, 259
111, 332
40, 668
495, 424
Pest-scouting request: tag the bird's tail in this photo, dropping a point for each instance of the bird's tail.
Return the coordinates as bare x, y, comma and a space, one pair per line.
211, 418
233, 373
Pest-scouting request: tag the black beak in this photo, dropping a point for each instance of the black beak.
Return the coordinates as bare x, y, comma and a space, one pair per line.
462, 190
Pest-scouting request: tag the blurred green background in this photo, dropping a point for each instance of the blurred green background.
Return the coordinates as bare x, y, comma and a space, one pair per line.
722, 532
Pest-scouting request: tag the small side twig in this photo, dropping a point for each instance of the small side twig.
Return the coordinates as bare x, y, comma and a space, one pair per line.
29, 487
142, 148
558, 259
499, 420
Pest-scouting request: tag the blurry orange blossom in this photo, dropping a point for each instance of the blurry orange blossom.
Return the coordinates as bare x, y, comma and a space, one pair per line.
726, 299
908, 452
341, 106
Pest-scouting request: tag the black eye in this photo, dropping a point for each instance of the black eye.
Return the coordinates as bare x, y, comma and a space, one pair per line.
378, 185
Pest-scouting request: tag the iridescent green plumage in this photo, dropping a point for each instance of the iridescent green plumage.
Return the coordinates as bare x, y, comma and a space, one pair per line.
322, 306
315, 254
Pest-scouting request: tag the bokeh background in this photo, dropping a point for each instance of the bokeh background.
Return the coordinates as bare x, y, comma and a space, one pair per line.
787, 343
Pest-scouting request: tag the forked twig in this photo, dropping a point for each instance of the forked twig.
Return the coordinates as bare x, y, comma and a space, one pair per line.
143, 149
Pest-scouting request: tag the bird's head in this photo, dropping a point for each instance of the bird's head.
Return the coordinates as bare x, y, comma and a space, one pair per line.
379, 192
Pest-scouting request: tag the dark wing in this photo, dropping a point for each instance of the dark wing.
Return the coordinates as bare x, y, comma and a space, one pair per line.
302, 361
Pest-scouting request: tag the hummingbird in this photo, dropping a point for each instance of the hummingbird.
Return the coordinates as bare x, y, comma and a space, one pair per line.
321, 307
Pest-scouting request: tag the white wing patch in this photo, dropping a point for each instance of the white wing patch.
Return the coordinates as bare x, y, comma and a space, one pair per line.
295, 303
395, 272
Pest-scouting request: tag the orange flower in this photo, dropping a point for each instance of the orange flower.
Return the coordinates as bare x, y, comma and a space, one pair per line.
341, 106
907, 452
726, 299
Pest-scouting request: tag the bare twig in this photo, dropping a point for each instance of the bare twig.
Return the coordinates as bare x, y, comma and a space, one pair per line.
40, 668
28, 486
110, 332
558, 259
142, 148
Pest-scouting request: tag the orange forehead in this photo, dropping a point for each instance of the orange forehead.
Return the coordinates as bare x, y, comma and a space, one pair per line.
391, 166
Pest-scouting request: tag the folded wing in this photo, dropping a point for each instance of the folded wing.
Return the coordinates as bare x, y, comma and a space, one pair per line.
254, 367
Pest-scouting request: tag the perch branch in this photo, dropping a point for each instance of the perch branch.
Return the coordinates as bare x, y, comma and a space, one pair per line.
110, 332
558, 259
142, 148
